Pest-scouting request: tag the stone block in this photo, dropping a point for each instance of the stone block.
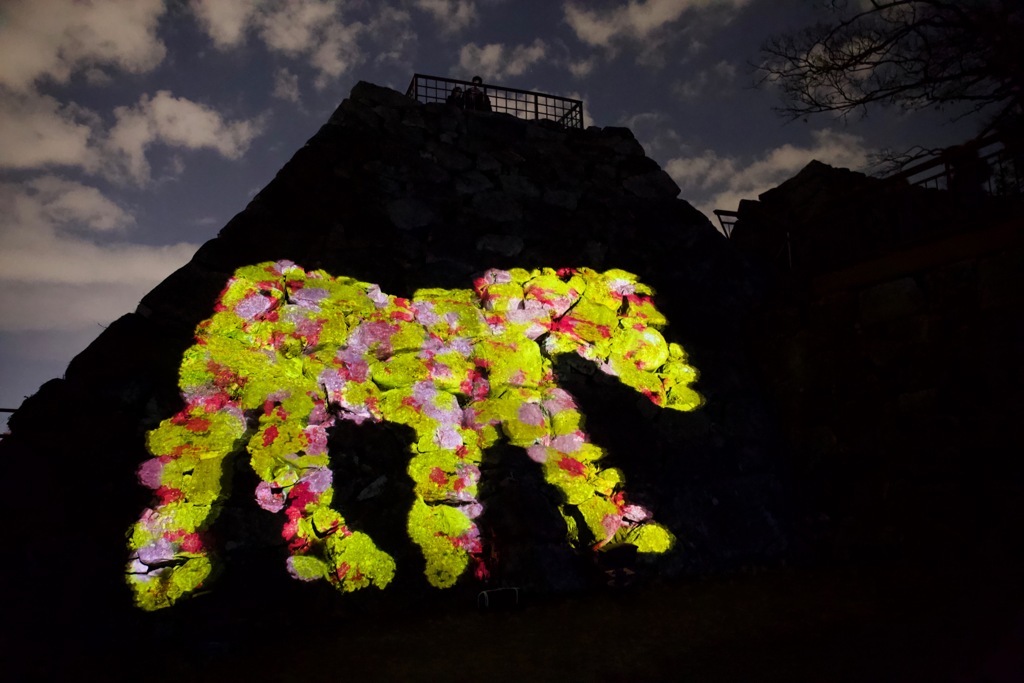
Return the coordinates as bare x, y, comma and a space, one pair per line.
376, 94
621, 141
953, 287
449, 157
890, 341
414, 118
509, 159
352, 111
1001, 279
486, 163
497, 206
408, 213
890, 301
539, 132
472, 182
518, 186
561, 199
637, 165
916, 403
506, 245
652, 185
389, 115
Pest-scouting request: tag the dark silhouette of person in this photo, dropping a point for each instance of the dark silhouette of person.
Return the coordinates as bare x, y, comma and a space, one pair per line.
456, 98
968, 174
1011, 132
476, 99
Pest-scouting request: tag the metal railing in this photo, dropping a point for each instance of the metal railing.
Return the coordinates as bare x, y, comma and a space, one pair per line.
523, 104
727, 219
991, 165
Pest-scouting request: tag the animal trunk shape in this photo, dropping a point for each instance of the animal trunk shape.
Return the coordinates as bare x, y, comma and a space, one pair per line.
288, 353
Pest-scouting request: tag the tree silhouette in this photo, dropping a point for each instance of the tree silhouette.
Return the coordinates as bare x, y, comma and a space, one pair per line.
965, 55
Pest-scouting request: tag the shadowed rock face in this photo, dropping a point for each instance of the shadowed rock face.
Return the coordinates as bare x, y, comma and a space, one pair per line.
407, 195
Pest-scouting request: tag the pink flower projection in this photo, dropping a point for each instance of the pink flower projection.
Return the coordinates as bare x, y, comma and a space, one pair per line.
288, 353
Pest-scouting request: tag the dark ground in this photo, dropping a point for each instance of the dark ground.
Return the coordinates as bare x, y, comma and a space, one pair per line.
962, 623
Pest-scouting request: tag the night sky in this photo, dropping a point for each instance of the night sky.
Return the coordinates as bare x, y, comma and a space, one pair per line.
132, 131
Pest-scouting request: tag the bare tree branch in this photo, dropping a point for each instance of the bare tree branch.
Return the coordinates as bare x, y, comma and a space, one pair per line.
912, 54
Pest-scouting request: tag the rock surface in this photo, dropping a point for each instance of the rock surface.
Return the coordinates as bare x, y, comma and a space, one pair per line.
889, 367
407, 195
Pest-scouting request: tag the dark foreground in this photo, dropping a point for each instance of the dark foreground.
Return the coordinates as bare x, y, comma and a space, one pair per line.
961, 623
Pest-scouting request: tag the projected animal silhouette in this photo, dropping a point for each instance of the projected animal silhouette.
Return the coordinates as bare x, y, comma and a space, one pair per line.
288, 353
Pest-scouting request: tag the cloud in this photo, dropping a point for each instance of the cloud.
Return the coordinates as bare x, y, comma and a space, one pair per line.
31, 358
66, 308
644, 24
37, 131
56, 272
97, 76
295, 27
711, 181
392, 32
225, 21
53, 39
718, 78
307, 29
452, 15
654, 132
635, 20
77, 262
313, 30
336, 54
496, 60
581, 68
173, 121
63, 202
286, 86
702, 172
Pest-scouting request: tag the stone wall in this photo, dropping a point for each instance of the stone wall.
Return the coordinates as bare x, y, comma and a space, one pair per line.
897, 379
407, 195
824, 218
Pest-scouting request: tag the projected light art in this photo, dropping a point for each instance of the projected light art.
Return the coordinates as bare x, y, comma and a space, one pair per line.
287, 353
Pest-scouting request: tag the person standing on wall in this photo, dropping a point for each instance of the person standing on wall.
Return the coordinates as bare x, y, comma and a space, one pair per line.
476, 99
456, 98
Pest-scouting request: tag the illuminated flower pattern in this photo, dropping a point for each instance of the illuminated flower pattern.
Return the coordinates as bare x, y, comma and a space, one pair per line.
288, 353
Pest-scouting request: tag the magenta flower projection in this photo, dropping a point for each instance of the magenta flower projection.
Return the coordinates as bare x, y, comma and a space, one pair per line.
288, 353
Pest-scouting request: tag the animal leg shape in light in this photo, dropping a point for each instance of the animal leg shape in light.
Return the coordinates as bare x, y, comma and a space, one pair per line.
287, 353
